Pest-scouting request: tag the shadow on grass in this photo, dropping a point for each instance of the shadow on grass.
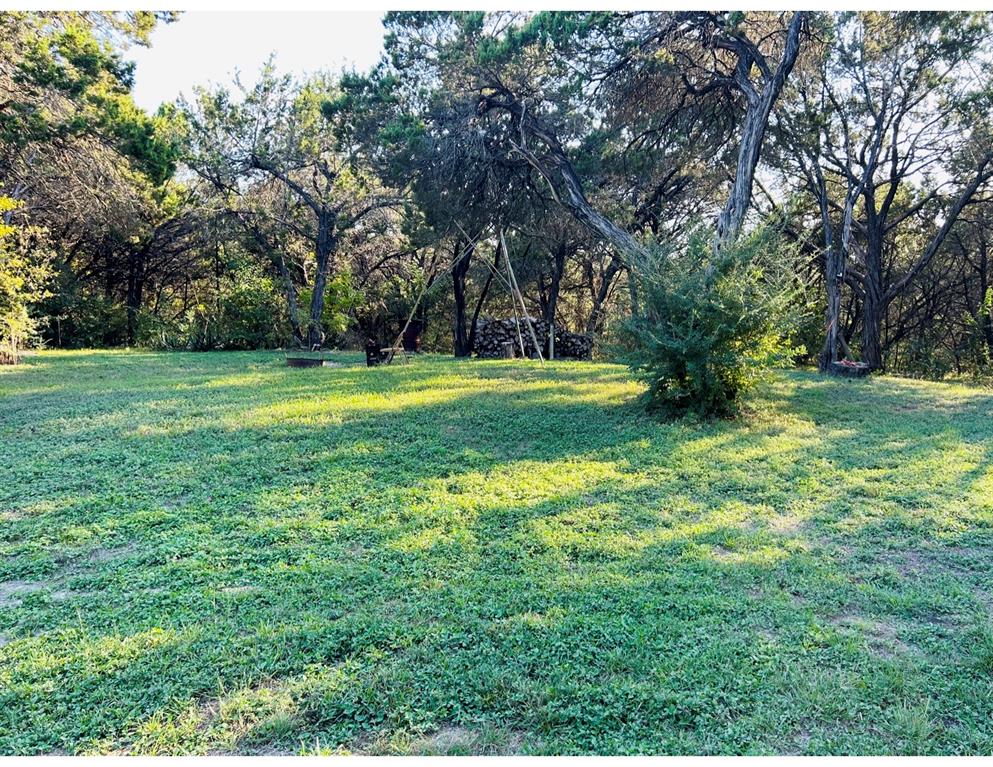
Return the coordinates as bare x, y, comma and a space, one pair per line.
395, 550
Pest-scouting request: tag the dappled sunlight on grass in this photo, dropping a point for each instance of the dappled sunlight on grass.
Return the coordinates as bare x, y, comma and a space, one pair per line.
215, 553
31, 666
337, 409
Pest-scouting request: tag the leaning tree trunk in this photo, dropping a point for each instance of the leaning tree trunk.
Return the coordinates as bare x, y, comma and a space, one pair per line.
557, 170
323, 252
760, 104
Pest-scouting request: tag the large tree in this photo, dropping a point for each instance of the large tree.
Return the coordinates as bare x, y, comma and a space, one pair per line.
890, 133
291, 133
744, 59
86, 165
609, 115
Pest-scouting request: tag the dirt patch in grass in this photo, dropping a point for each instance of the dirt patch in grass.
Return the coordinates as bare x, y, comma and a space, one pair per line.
784, 524
768, 635
238, 589
454, 739
447, 739
801, 739
12, 591
968, 565
103, 554
879, 635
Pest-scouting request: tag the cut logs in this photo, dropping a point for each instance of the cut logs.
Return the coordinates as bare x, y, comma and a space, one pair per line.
493, 336
573, 346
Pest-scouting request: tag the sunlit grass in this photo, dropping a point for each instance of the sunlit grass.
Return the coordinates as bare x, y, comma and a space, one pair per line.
215, 553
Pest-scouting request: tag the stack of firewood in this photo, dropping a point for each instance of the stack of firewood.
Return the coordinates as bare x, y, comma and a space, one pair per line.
574, 346
497, 337
493, 334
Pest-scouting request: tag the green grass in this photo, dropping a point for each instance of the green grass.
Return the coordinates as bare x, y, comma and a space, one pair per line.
214, 553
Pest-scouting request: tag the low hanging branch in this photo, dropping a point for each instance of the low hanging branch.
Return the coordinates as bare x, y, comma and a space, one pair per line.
567, 189
558, 172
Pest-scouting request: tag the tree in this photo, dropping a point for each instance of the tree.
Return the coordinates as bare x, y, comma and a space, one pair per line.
721, 56
74, 149
464, 184
62, 76
23, 274
288, 132
892, 123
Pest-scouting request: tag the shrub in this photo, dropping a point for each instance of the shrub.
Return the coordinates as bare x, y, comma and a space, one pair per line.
711, 326
245, 311
81, 318
23, 274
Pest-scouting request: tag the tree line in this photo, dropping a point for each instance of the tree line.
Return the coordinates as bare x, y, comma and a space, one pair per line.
823, 179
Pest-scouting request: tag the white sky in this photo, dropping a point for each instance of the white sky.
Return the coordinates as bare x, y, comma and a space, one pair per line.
209, 47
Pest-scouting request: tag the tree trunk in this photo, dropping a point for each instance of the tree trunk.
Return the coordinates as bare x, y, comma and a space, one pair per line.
595, 322
833, 280
730, 221
985, 296
835, 262
987, 323
558, 269
136, 288
874, 301
482, 297
732, 217
872, 321
460, 328
323, 252
633, 294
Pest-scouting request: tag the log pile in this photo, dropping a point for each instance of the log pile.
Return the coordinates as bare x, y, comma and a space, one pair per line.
492, 335
573, 346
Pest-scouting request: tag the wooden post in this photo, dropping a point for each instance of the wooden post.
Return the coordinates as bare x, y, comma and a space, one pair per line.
516, 291
513, 298
517, 326
551, 340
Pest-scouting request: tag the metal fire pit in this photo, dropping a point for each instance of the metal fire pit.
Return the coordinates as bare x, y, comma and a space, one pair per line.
308, 360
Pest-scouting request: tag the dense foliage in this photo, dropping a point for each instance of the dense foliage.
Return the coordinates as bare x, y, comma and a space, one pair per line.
712, 324
23, 275
284, 211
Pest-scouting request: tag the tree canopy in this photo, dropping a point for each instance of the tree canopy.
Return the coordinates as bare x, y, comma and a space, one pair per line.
323, 210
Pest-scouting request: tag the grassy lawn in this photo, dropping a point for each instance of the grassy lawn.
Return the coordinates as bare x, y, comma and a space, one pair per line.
214, 553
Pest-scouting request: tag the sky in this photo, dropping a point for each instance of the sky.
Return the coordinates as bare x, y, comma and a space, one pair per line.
209, 47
